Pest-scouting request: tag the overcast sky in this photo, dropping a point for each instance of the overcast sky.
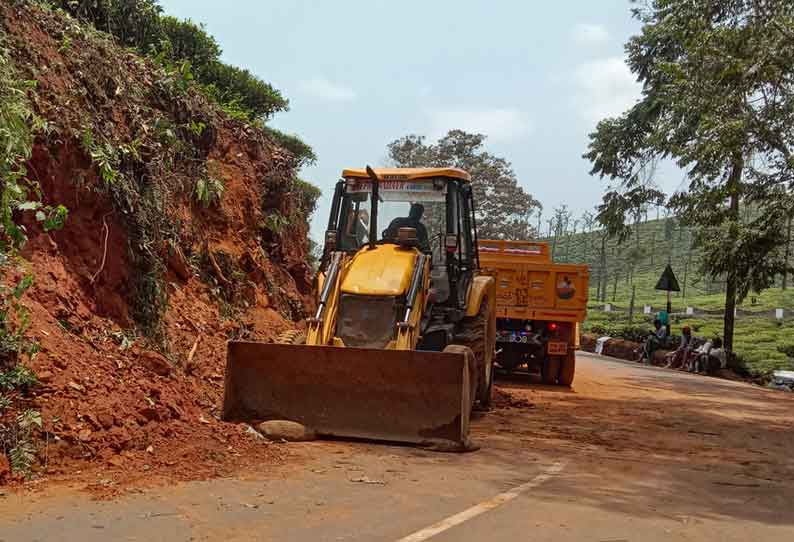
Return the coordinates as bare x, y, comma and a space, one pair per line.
533, 76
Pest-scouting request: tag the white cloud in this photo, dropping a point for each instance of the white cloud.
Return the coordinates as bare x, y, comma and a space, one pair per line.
322, 88
498, 124
590, 34
605, 88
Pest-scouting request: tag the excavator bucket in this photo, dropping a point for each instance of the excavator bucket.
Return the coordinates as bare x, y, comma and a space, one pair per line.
391, 395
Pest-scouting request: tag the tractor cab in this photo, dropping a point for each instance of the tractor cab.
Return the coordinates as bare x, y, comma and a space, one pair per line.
427, 209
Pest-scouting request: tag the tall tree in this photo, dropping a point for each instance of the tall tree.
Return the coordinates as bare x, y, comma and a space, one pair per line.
718, 99
588, 221
561, 217
504, 209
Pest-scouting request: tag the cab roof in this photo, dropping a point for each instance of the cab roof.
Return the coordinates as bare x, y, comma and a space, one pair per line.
409, 174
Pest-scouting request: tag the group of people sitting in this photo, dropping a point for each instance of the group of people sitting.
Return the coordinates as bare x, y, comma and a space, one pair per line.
707, 358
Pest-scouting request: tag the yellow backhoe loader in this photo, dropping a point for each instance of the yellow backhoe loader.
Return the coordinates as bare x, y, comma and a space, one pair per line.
402, 343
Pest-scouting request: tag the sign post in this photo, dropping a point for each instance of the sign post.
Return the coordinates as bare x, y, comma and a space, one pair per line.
669, 283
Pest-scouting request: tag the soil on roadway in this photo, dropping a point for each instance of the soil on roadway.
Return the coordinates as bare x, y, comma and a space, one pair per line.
631, 453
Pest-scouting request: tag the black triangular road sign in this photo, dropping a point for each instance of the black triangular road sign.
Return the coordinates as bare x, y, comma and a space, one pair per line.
667, 281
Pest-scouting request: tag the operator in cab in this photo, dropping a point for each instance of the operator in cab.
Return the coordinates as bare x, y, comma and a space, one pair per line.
413, 220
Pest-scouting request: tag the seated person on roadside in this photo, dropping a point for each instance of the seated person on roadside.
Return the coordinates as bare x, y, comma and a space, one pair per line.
713, 360
654, 341
678, 357
693, 361
413, 220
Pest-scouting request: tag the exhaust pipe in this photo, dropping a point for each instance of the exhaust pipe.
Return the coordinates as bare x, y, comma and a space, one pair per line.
373, 212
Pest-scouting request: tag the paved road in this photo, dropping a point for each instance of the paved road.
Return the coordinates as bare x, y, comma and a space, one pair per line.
630, 454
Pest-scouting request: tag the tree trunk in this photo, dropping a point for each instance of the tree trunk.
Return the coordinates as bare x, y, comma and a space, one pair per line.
653, 248
730, 280
598, 286
603, 275
615, 288
631, 304
683, 284
787, 254
567, 247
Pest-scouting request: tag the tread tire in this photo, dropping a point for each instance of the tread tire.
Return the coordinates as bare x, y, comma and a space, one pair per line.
475, 335
568, 369
550, 370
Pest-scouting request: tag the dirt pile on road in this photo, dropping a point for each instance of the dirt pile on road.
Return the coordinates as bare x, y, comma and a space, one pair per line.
185, 229
504, 399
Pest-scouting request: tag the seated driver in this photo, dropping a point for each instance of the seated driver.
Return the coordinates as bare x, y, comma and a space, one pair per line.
410, 221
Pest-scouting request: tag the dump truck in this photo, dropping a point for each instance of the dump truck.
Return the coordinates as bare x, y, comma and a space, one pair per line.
402, 342
539, 306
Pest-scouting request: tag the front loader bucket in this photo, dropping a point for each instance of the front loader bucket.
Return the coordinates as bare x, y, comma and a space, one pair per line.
391, 395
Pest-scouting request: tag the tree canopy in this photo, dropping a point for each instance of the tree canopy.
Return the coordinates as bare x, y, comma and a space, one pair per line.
141, 24
718, 83
504, 208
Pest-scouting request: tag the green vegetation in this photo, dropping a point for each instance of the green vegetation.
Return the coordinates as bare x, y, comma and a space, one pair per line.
183, 46
300, 150
305, 196
717, 94
17, 378
19, 194
18, 126
209, 191
762, 343
190, 60
103, 155
634, 266
18, 440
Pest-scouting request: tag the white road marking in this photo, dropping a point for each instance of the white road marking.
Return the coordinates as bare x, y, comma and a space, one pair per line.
485, 506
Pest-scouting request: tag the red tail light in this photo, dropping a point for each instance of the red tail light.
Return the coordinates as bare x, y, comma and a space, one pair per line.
552, 326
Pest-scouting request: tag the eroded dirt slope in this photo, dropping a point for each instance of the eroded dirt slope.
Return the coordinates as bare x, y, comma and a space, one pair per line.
134, 299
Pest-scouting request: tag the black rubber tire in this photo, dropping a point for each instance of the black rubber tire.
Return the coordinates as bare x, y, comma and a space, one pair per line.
567, 369
485, 398
475, 335
550, 370
509, 362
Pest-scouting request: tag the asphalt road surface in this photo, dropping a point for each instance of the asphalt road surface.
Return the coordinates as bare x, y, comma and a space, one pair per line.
631, 453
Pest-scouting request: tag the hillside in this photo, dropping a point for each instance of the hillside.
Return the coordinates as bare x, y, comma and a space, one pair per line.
762, 342
185, 228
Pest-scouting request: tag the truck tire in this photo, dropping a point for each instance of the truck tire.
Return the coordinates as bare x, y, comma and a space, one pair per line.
550, 370
477, 336
469, 355
568, 369
508, 361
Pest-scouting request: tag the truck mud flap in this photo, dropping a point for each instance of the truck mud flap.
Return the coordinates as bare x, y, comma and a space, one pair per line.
391, 395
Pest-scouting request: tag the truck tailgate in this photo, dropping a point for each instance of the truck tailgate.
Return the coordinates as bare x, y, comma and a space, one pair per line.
530, 286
